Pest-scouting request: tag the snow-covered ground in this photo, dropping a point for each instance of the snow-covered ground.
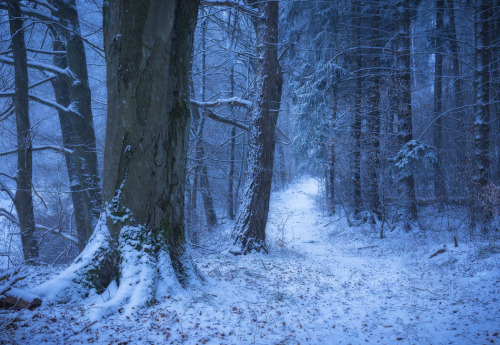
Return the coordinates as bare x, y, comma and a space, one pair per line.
322, 283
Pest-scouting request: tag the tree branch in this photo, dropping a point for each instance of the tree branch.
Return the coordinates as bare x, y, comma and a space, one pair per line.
231, 4
220, 102
213, 116
40, 148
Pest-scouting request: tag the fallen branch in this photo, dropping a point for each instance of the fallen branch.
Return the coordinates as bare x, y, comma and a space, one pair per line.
11, 297
440, 251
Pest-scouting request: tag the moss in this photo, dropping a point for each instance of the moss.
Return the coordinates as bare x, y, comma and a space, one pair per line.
99, 273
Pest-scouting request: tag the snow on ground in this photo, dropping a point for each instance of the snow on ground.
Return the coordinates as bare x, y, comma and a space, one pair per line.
321, 283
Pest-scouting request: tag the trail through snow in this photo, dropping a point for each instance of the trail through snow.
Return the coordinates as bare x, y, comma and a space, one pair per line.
322, 283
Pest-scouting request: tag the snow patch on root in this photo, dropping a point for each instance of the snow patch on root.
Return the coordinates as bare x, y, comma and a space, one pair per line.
77, 281
143, 264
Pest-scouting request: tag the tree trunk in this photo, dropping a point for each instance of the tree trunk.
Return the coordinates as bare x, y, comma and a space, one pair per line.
457, 88
373, 121
405, 130
201, 170
140, 239
330, 176
87, 184
230, 180
356, 124
480, 213
23, 200
250, 227
439, 176
61, 90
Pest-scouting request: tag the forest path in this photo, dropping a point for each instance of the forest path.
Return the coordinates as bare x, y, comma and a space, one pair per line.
322, 282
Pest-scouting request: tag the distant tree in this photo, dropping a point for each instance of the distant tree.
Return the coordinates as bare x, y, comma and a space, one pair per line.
69, 78
200, 173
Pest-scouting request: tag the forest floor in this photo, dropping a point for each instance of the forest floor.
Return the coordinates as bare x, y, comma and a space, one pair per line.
323, 282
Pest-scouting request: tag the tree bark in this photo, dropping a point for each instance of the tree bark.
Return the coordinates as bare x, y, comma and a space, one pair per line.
480, 213
23, 200
457, 83
61, 90
250, 227
330, 176
374, 114
356, 123
140, 240
86, 185
440, 192
404, 106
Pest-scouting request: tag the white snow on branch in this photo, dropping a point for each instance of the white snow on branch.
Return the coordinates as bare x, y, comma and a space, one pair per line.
40, 148
224, 101
41, 66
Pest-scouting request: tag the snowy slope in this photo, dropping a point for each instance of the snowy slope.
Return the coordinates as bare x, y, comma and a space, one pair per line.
322, 283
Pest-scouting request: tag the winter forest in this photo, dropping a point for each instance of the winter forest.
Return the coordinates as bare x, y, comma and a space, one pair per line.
249, 172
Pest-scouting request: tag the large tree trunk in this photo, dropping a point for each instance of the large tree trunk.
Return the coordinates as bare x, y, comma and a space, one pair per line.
439, 175
23, 200
480, 213
250, 227
405, 130
140, 239
86, 185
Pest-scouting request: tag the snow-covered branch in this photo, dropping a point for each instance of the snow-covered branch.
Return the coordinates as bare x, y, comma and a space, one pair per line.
55, 231
66, 73
231, 4
48, 103
10, 216
220, 102
40, 148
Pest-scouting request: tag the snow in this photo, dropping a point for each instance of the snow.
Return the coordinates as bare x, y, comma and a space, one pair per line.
322, 283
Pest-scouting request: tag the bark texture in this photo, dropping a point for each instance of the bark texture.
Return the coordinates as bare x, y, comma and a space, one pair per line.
23, 200
250, 227
148, 60
480, 213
